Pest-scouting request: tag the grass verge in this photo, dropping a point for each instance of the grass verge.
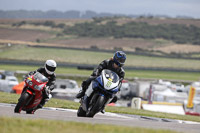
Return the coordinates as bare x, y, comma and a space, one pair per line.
21, 52
19, 125
12, 98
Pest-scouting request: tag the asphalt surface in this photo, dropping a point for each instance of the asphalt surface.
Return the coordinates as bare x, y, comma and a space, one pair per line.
107, 118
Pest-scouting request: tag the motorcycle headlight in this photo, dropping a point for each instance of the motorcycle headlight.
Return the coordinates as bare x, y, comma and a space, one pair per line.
38, 87
30, 83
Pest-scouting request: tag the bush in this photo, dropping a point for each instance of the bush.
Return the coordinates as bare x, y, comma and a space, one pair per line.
38, 40
49, 23
175, 32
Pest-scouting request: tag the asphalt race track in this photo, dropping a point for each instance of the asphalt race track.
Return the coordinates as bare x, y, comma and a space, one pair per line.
107, 118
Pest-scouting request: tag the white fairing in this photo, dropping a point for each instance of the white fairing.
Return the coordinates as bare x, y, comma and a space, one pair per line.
89, 90
108, 84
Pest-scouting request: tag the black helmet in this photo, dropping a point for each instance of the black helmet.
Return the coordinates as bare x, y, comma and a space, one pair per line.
119, 58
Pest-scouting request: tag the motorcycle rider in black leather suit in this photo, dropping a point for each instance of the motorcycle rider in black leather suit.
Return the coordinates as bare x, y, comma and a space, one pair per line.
115, 64
47, 71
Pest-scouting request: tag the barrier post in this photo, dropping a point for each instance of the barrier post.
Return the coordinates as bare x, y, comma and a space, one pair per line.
136, 103
150, 96
191, 97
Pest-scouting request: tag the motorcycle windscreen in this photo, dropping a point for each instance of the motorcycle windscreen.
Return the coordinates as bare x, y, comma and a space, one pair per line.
110, 75
40, 78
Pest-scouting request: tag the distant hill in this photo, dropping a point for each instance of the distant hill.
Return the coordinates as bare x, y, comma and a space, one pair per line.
146, 35
67, 14
53, 14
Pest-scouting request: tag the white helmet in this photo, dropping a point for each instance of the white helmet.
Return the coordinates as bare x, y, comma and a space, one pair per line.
50, 66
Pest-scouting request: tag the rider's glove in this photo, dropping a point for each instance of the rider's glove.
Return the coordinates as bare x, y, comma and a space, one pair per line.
84, 84
48, 90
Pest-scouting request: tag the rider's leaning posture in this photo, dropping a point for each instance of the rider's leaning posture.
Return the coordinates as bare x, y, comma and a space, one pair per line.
47, 71
115, 64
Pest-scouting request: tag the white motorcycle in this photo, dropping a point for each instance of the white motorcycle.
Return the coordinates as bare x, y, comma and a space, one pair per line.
99, 93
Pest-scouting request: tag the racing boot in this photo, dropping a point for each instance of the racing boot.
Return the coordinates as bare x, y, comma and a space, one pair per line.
80, 94
84, 88
42, 103
45, 99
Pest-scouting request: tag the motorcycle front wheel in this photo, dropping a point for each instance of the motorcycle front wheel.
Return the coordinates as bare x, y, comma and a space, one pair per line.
22, 101
81, 112
96, 106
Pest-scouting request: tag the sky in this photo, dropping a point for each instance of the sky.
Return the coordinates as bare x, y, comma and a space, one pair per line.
170, 8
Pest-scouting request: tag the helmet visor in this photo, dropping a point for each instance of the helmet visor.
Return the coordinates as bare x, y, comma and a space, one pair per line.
51, 69
118, 63
121, 60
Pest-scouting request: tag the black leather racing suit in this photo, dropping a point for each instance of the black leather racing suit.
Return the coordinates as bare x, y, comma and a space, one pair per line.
106, 64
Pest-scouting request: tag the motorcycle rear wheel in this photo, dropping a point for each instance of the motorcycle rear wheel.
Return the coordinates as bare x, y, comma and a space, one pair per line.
30, 111
22, 101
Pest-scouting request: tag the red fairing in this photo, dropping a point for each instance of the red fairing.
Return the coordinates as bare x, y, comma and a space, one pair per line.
34, 85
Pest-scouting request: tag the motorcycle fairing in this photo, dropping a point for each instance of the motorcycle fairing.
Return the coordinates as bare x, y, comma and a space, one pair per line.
110, 79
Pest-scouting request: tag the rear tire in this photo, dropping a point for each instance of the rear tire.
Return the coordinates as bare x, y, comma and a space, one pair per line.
22, 101
81, 112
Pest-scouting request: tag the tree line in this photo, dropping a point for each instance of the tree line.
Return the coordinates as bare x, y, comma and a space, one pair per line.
175, 32
56, 14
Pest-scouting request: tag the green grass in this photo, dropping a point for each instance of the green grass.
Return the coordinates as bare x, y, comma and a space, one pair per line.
126, 110
19, 125
20, 52
12, 98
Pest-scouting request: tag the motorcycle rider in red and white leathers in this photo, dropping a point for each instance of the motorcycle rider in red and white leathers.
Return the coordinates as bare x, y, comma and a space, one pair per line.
115, 64
47, 71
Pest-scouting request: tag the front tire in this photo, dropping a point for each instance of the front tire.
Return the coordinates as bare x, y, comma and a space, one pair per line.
96, 106
22, 101
81, 112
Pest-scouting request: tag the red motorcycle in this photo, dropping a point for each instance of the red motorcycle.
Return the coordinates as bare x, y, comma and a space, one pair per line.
32, 93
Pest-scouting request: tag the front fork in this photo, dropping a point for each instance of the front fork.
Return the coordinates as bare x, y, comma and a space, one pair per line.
84, 102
